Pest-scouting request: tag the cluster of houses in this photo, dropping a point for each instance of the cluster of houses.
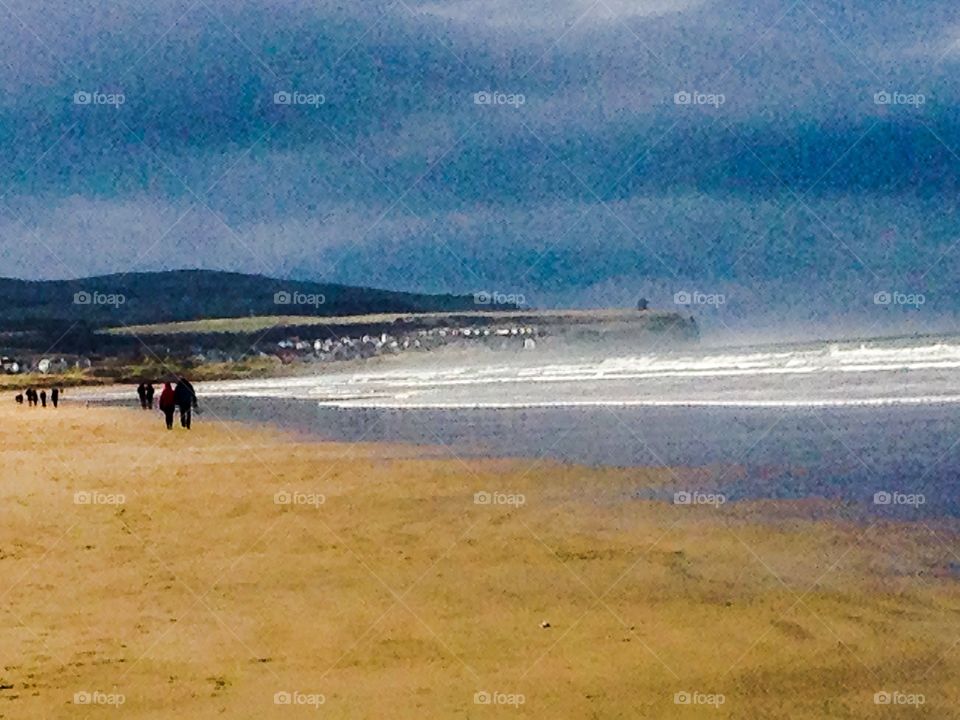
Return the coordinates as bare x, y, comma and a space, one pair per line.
332, 349
42, 365
339, 348
367, 346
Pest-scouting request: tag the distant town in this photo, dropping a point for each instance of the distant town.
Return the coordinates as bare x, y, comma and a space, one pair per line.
294, 341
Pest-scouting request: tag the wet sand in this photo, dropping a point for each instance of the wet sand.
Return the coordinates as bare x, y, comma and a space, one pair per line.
224, 571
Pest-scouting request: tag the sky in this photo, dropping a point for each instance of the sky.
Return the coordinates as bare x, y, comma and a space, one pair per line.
775, 162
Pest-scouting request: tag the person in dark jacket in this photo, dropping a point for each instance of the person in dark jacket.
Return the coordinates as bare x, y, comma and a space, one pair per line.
168, 404
31, 397
142, 394
43, 398
19, 399
55, 396
186, 400
150, 391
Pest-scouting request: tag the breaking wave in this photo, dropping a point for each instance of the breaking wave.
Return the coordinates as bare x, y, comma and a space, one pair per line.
867, 373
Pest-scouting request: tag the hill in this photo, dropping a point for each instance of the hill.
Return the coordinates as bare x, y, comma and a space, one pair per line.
183, 295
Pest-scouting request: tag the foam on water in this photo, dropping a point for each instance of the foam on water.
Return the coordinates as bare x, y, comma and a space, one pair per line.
827, 374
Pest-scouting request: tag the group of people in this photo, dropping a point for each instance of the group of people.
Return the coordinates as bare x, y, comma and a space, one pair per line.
34, 398
145, 392
182, 397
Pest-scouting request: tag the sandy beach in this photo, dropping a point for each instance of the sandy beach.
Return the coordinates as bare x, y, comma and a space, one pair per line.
240, 572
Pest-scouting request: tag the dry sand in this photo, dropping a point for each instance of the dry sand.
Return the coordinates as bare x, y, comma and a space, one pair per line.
400, 597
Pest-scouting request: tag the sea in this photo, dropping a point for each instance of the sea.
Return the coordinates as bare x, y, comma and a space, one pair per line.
870, 424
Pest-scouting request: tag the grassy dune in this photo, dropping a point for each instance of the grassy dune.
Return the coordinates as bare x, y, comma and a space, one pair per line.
73, 378
399, 597
131, 373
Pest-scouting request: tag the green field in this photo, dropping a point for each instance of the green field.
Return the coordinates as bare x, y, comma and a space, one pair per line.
265, 322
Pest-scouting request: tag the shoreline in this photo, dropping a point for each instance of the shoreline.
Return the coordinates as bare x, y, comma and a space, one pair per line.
246, 562
709, 449
111, 396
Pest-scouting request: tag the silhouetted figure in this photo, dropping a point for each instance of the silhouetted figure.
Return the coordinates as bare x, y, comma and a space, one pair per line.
643, 304
150, 392
55, 396
19, 399
31, 397
186, 400
168, 404
142, 394
43, 398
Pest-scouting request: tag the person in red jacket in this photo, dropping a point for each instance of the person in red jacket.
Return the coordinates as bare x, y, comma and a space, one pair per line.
168, 404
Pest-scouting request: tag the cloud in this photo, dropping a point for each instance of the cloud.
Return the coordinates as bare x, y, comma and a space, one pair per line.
400, 178
560, 14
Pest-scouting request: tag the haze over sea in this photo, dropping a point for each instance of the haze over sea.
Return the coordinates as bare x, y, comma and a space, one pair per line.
841, 420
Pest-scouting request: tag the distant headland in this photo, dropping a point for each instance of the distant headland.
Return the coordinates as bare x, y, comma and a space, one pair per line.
214, 324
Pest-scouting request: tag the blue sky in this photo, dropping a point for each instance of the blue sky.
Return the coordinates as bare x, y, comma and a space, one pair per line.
798, 157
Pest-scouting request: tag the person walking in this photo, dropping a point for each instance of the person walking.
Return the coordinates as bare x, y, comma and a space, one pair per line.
142, 394
167, 404
186, 400
43, 398
55, 396
149, 391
